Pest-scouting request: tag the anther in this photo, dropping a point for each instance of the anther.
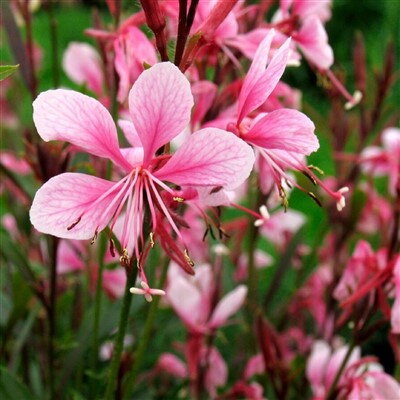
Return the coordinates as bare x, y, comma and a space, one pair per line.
187, 258
94, 238
151, 238
112, 247
315, 168
306, 174
124, 259
315, 198
216, 189
74, 223
178, 199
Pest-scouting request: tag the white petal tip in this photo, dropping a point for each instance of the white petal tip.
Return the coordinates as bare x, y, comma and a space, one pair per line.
134, 290
357, 96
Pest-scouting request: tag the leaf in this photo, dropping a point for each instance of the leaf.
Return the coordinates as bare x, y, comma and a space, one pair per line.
12, 388
7, 70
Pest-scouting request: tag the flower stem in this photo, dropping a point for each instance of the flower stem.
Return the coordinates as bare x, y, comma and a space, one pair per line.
118, 344
54, 44
331, 392
145, 336
52, 246
97, 303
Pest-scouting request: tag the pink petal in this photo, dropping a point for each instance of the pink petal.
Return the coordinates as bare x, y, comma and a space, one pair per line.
317, 363
130, 132
68, 256
255, 366
171, 364
185, 299
217, 373
62, 200
249, 42
132, 49
160, 102
82, 64
320, 8
114, 282
385, 387
14, 164
313, 42
260, 82
228, 305
210, 157
78, 119
204, 93
284, 129
134, 155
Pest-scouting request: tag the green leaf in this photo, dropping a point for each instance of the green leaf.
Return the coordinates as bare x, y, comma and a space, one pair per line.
7, 70
12, 388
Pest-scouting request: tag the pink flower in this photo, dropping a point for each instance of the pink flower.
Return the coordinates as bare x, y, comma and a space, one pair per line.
363, 265
78, 206
191, 299
70, 258
323, 365
132, 50
305, 8
171, 364
386, 160
283, 137
216, 373
313, 42
14, 164
374, 385
82, 64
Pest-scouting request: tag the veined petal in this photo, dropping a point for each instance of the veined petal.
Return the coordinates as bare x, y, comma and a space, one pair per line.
228, 305
82, 64
160, 102
130, 132
260, 82
284, 129
313, 42
78, 119
210, 157
60, 202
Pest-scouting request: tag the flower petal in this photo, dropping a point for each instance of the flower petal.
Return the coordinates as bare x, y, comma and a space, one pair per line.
313, 42
130, 132
185, 299
260, 82
210, 157
63, 199
160, 102
228, 306
68, 256
284, 129
82, 64
78, 119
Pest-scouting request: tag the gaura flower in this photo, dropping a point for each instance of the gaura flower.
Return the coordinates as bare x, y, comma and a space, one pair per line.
284, 137
78, 206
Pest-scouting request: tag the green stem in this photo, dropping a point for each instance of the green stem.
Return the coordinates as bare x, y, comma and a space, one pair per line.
331, 392
54, 44
97, 304
251, 268
119, 340
146, 334
52, 248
